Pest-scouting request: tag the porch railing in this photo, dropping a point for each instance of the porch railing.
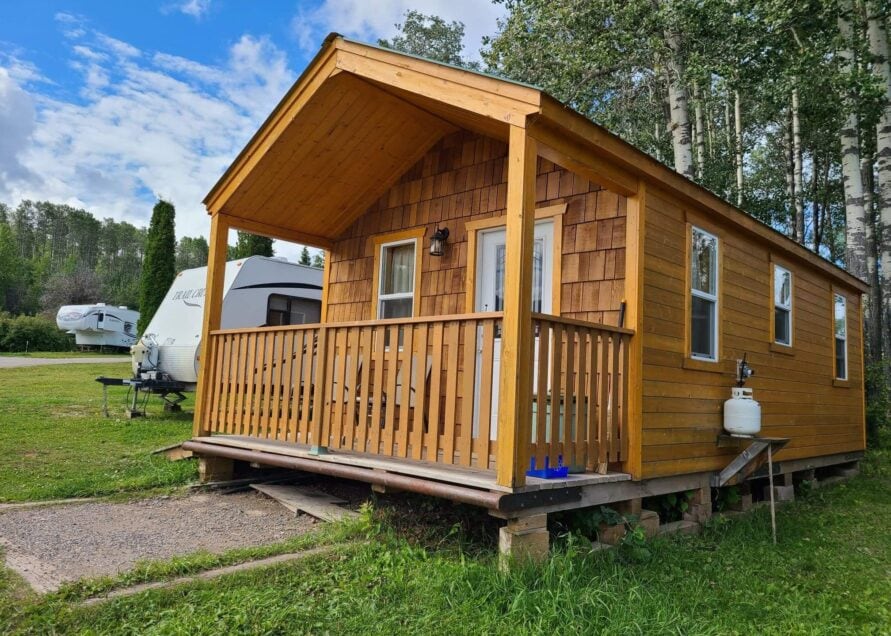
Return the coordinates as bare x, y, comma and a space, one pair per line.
420, 388
403, 388
579, 393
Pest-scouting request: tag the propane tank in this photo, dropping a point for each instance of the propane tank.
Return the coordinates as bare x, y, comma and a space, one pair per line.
742, 414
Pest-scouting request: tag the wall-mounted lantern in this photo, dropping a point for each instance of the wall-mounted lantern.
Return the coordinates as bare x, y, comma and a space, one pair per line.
438, 241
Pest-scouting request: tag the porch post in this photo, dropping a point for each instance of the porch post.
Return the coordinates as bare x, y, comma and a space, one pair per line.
213, 306
515, 391
634, 288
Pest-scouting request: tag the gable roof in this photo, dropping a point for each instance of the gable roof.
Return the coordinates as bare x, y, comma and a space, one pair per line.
360, 116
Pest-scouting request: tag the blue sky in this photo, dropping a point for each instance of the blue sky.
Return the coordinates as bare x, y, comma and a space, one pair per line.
108, 105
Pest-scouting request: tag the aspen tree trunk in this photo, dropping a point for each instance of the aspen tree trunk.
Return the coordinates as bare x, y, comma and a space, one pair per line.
855, 232
878, 47
711, 133
678, 102
872, 310
798, 188
700, 132
788, 169
738, 147
815, 209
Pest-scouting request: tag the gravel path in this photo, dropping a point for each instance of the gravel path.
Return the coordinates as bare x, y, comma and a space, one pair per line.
51, 546
13, 362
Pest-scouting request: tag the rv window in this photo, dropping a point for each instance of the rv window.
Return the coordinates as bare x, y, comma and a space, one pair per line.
704, 296
397, 280
840, 323
782, 306
284, 310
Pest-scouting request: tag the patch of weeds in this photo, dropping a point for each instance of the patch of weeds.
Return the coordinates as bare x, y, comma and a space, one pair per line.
671, 507
726, 498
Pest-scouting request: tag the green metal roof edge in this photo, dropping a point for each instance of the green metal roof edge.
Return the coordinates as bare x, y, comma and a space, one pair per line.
431, 60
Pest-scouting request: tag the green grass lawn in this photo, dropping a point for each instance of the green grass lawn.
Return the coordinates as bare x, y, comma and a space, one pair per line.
830, 574
56, 443
430, 567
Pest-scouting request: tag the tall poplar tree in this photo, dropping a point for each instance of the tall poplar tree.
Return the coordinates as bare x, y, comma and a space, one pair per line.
159, 264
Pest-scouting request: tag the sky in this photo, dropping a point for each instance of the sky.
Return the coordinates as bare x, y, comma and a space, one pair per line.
110, 105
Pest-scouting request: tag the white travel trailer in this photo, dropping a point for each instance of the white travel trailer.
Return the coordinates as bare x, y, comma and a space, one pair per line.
99, 325
258, 291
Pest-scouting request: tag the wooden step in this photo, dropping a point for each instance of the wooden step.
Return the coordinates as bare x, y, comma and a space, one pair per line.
307, 500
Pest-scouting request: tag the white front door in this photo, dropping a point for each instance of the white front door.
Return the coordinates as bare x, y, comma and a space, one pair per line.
490, 294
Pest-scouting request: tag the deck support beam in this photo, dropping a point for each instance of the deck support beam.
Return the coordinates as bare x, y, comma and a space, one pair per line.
213, 311
515, 389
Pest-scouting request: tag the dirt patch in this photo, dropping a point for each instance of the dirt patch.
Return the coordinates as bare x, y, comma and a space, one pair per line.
51, 546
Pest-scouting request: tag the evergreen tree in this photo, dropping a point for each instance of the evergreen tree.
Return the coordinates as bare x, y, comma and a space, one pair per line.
158, 267
304, 256
318, 260
252, 245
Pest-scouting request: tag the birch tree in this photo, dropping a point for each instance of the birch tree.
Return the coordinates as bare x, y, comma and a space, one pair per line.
878, 48
855, 230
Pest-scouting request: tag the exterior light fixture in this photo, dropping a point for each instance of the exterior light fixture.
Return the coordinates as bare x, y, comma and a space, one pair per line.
438, 241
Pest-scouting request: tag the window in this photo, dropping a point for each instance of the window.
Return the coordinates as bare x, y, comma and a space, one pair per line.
840, 322
284, 310
396, 291
704, 296
782, 306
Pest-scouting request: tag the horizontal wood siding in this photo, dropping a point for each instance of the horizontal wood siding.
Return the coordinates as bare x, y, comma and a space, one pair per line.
464, 178
683, 406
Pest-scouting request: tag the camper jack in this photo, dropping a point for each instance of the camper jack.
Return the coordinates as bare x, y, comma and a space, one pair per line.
170, 391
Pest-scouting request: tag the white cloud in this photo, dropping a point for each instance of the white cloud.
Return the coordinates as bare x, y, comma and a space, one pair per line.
17, 115
369, 21
148, 124
195, 8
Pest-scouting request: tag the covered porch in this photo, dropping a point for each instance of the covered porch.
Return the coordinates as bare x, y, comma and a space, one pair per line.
423, 393
471, 398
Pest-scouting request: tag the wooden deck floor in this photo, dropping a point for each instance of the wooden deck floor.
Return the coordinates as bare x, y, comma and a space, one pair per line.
460, 475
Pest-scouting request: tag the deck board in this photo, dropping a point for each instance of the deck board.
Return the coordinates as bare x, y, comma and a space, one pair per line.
473, 477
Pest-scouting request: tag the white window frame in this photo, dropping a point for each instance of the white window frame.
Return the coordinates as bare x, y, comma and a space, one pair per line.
381, 296
705, 296
836, 337
779, 269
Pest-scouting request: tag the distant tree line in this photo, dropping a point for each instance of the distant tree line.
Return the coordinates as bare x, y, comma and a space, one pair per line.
53, 254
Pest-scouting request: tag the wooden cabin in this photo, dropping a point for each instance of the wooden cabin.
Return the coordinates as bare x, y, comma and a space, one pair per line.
507, 284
